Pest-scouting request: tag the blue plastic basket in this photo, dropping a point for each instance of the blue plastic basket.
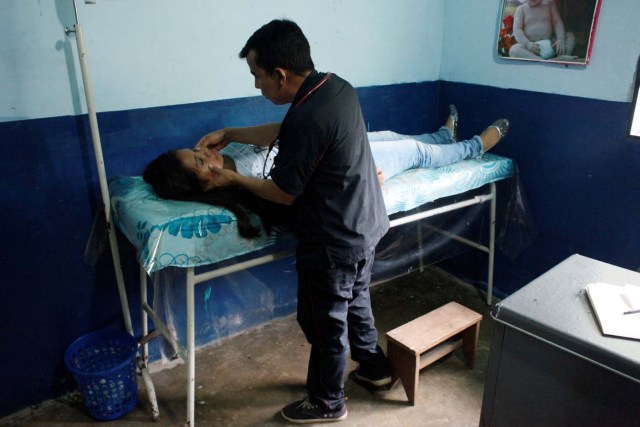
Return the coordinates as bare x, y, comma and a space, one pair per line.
103, 364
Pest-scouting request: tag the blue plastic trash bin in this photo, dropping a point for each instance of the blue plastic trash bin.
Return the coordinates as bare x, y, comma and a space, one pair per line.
103, 363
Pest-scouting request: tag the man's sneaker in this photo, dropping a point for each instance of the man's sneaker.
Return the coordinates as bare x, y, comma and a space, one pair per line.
306, 412
372, 382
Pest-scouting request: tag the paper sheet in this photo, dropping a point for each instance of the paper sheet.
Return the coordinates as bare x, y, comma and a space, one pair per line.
610, 302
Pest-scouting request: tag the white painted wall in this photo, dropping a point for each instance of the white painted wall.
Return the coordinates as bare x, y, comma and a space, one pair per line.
146, 53
469, 53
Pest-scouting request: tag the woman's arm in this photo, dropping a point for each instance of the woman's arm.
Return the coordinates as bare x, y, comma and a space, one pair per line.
261, 135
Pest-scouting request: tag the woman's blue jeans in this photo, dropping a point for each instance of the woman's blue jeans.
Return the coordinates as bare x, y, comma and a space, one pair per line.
334, 312
395, 153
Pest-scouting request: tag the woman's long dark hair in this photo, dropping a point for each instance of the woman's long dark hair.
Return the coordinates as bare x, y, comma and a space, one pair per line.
171, 180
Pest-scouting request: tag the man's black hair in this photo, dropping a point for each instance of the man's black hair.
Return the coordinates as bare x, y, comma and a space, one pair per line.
280, 44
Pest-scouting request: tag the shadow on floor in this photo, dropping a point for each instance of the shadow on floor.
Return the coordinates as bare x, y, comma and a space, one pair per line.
245, 380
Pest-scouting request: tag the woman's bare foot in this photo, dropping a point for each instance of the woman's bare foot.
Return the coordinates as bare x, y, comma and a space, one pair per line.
494, 133
452, 122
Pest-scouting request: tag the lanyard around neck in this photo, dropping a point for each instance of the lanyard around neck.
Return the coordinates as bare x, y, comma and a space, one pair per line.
301, 100
266, 174
313, 89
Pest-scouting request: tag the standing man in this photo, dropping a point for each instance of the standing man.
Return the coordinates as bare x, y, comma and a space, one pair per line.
325, 170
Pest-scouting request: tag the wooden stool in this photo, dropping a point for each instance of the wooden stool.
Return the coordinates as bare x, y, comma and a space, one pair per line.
422, 341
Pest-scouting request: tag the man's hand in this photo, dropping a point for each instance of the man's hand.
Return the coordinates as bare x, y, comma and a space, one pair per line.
264, 188
216, 140
220, 178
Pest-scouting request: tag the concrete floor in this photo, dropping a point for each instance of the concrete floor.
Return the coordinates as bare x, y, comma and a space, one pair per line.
245, 380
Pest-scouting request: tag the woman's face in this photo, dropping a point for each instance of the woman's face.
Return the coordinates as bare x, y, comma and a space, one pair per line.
200, 162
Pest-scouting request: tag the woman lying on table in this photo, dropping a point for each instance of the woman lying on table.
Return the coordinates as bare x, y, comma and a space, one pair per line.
185, 174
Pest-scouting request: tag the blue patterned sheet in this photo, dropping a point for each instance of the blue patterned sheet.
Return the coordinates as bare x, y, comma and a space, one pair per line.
168, 233
419, 186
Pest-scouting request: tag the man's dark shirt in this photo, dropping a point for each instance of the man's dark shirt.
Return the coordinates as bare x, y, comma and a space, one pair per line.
324, 160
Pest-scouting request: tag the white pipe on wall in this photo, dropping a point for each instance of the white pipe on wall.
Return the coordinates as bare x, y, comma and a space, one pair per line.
102, 175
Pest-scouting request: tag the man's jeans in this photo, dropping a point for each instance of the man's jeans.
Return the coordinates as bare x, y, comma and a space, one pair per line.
334, 312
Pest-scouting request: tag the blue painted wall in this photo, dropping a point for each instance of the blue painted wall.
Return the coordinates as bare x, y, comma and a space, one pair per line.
578, 169
568, 138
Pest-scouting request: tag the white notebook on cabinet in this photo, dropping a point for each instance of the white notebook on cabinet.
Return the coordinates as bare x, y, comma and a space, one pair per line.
610, 302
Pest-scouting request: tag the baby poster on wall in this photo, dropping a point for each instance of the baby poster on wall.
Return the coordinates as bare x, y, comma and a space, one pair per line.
548, 30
